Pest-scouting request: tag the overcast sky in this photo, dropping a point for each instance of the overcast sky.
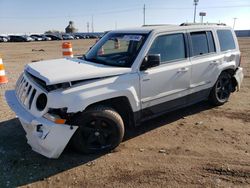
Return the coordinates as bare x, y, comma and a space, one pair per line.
27, 16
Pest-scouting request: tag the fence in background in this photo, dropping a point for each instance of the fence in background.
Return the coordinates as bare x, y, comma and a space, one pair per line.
242, 33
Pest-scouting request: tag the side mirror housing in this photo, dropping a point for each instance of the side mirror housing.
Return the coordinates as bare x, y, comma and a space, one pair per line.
150, 61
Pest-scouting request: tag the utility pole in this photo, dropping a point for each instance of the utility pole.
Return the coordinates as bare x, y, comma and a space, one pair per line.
234, 22
92, 24
195, 4
144, 14
88, 27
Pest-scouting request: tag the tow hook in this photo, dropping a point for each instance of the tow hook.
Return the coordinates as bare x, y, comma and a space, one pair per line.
38, 128
40, 132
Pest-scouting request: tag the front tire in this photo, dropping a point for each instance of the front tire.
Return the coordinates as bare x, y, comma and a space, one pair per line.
221, 91
100, 129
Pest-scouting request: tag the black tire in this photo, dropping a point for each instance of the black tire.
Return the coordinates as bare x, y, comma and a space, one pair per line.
100, 129
222, 89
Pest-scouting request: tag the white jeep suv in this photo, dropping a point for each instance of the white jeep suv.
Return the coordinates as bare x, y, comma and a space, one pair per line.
127, 77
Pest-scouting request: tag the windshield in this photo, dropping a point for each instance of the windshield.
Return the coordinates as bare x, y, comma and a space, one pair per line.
116, 49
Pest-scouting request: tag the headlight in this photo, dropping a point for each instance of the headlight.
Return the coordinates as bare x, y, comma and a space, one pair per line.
41, 102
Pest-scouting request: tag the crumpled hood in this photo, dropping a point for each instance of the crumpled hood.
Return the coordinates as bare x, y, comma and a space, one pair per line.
66, 70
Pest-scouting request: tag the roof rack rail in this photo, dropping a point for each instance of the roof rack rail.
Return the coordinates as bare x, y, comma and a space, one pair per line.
157, 25
190, 24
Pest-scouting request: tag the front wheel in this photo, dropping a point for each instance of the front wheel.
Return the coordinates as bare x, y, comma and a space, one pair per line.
100, 129
221, 91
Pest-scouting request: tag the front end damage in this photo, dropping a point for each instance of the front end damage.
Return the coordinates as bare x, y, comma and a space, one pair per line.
44, 136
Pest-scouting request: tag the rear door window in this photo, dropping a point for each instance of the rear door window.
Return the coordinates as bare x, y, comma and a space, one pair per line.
199, 43
202, 42
226, 40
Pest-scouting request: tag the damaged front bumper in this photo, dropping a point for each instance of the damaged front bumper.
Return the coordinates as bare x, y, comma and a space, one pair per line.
44, 136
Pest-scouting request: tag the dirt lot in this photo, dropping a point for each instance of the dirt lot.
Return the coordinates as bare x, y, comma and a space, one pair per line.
199, 146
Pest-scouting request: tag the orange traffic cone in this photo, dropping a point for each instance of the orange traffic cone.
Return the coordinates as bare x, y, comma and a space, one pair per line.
117, 44
101, 51
67, 49
3, 78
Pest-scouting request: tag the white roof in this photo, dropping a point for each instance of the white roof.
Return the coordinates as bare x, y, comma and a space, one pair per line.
161, 28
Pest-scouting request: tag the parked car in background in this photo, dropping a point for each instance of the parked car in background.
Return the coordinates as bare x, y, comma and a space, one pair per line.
93, 36
20, 38
36, 37
45, 38
4, 39
28, 38
53, 37
67, 37
75, 36
86, 36
42, 36
80, 36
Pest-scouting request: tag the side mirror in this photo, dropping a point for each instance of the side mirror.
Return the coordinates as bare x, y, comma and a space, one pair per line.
150, 61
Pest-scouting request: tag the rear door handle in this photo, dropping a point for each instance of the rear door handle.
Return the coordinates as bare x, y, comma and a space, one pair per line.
183, 69
215, 62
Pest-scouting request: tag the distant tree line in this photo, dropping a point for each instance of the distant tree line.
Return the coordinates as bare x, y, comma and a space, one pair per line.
53, 31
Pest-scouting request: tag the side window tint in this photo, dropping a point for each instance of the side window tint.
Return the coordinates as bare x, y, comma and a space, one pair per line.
210, 39
226, 40
199, 43
170, 47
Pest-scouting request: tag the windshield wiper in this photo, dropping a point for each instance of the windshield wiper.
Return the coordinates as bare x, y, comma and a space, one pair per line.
98, 61
83, 57
94, 60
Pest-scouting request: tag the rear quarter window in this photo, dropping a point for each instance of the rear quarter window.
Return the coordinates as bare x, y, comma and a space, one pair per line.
226, 40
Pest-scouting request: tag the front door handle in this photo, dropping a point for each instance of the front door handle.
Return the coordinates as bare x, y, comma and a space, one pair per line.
185, 69
145, 79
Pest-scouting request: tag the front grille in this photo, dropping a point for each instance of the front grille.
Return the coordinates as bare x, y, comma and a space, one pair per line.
27, 93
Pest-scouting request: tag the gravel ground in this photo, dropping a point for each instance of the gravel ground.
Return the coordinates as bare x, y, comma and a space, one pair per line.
199, 146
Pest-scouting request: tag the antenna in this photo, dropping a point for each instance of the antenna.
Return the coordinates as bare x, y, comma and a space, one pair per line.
234, 22
88, 27
92, 23
144, 14
195, 4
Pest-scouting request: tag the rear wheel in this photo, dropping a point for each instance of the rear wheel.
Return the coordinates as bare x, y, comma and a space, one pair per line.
221, 90
100, 129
